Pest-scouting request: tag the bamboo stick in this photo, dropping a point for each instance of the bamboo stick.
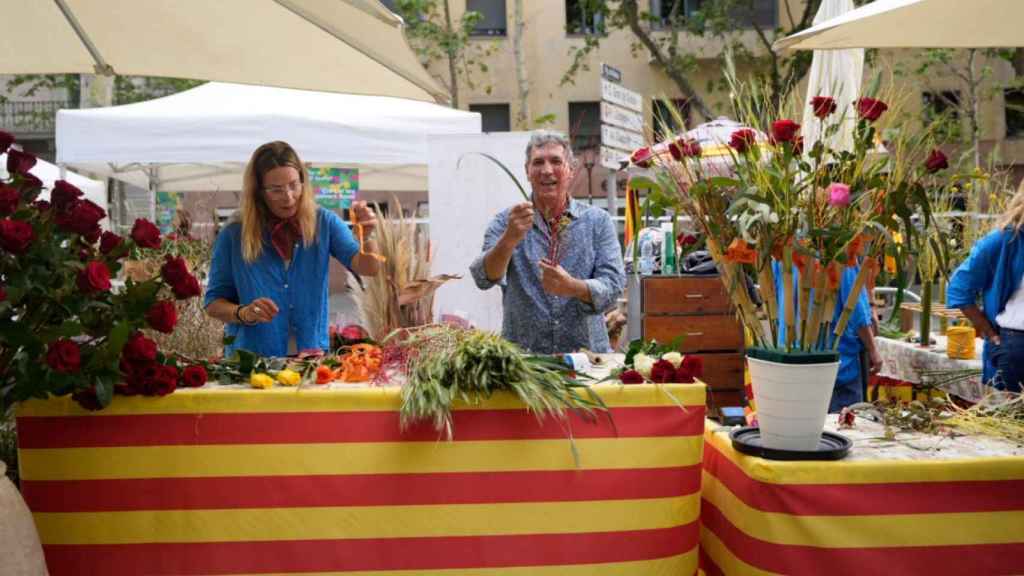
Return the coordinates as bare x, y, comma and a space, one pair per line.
850, 304
818, 313
787, 295
766, 279
806, 282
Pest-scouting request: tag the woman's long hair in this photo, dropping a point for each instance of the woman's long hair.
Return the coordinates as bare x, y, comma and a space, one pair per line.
1013, 217
254, 211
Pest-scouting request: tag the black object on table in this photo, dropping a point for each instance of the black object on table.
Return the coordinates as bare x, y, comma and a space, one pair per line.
832, 446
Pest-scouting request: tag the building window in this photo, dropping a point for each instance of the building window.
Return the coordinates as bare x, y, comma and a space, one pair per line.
493, 22
745, 13
668, 123
581, 19
584, 125
493, 117
1013, 105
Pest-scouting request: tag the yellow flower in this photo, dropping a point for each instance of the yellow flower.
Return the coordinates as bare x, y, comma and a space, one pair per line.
260, 380
289, 377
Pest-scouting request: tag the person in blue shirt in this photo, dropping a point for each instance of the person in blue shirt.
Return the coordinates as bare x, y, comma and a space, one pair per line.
857, 337
268, 278
994, 270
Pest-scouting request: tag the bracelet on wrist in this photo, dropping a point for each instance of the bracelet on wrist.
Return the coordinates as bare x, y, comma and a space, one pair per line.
238, 316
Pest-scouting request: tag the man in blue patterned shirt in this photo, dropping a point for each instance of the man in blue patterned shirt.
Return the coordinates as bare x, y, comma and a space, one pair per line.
558, 261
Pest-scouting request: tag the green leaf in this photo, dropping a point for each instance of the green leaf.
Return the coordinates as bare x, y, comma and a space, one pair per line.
105, 389
515, 180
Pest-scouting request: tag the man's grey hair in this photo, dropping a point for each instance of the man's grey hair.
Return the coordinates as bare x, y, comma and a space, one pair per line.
540, 138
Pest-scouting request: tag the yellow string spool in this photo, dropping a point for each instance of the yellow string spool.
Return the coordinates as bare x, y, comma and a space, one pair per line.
960, 342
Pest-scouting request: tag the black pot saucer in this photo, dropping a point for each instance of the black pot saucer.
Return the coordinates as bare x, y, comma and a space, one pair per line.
832, 446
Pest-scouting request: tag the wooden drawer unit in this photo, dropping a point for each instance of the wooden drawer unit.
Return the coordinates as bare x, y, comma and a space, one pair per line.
699, 333
723, 371
684, 295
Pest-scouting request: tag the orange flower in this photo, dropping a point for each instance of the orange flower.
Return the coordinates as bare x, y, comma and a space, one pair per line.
740, 252
854, 249
833, 272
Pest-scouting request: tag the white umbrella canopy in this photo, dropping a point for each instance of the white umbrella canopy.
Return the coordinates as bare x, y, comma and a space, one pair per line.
836, 74
348, 46
916, 24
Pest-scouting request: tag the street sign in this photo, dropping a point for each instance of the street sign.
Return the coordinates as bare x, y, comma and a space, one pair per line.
612, 159
611, 73
616, 94
621, 117
619, 138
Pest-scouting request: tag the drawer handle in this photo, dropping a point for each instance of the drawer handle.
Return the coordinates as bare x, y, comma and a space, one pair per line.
694, 333
694, 295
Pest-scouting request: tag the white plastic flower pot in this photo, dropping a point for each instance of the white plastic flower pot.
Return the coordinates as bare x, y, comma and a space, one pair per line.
792, 401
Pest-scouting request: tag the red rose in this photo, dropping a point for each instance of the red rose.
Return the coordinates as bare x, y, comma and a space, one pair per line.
691, 367
109, 242
936, 161
683, 148
870, 109
631, 377
162, 316
742, 139
139, 350
3, 293
353, 333
642, 157
82, 217
9, 198
6, 139
19, 162
823, 106
186, 288
63, 356
15, 235
663, 372
159, 380
193, 376
30, 182
174, 270
95, 277
146, 234
686, 239
87, 398
41, 205
784, 131
64, 194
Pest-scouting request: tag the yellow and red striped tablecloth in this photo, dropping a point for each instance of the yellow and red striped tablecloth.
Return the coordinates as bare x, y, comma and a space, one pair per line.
222, 481
860, 517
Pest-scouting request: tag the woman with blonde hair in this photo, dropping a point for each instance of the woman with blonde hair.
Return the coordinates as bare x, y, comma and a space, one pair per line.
994, 270
268, 277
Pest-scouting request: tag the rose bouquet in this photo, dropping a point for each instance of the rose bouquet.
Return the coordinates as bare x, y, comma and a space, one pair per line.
793, 219
63, 327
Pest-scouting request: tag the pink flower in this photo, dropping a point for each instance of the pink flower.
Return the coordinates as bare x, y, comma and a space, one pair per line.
838, 194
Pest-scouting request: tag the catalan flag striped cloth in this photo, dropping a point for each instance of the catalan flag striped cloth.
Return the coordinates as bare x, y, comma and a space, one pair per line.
860, 517
283, 481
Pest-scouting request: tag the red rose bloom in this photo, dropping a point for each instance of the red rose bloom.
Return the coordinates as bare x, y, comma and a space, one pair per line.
162, 316
690, 368
30, 182
19, 162
95, 277
87, 398
823, 106
9, 198
683, 148
146, 234
193, 376
870, 109
159, 380
109, 242
64, 194
63, 356
742, 139
139, 350
936, 161
82, 217
15, 235
631, 377
663, 372
784, 131
3, 293
186, 288
353, 333
174, 270
686, 239
41, 205
642, 157
6, 139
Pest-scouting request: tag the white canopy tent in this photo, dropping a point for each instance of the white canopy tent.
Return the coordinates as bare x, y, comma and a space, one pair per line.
916, 24
49, 173
200, 139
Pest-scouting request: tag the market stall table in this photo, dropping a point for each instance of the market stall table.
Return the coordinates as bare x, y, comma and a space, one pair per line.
312, 480
903, 362
922, 504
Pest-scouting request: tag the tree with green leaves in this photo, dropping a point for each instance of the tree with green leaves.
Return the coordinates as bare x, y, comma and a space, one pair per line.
437, 38
127, 89
663, 36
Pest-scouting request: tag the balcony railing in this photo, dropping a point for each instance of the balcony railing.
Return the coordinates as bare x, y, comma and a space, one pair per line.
37, 116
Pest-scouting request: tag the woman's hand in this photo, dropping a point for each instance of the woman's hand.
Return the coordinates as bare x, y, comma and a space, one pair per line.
364, 217
258, 311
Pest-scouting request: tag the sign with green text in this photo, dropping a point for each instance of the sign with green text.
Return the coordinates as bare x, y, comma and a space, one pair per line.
334, 187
